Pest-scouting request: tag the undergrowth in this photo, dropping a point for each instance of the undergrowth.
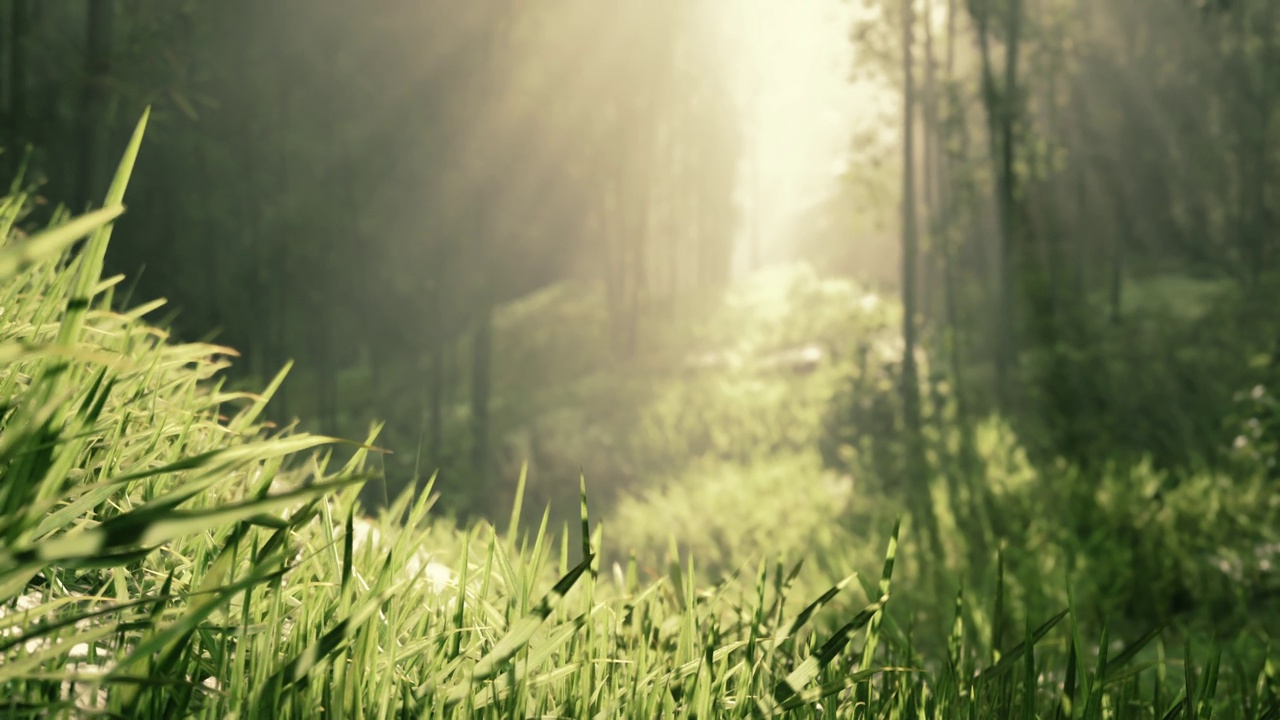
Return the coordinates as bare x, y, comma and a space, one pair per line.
166, 553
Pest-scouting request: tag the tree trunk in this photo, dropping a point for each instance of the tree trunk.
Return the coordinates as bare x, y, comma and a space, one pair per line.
918, 496
910, 381
946, 235
1259, 230
16, 137
1000, 108
93, 101
280, 299
326, 375
435, 368
930, 267
489, 206
481, 390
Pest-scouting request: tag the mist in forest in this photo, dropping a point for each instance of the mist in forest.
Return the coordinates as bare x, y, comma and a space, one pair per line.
635, 239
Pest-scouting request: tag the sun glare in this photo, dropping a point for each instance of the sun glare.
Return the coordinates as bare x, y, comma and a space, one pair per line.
791, 62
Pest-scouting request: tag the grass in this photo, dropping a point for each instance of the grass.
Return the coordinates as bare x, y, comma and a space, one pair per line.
709, 379
166, 553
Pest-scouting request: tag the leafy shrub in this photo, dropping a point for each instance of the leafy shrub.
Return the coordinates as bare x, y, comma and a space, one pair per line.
1162, 384
1256, 422
1145, 546
784, 506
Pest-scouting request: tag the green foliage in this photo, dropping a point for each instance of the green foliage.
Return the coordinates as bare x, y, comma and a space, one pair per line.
1257, 421
728, 376
113, 446
719, 453
163, 556
1165, 383
863, 425
1149, 547
780, 505
166, 552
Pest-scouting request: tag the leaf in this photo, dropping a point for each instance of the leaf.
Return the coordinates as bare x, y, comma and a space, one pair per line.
297, 671
518, 636
151, 526
94, 252
803, 617
1008, 660
15, 258
809, 670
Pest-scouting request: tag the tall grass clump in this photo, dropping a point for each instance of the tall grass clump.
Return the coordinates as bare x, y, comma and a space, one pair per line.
165, 553
135, 515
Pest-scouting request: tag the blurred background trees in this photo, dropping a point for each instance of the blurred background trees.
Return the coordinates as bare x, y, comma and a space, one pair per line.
508, 228
1099, 202
1128, 197
362, 186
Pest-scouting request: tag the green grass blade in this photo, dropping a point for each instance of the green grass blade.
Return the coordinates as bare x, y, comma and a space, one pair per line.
153, 526
16, 257
96, 249
1009, 659
523, 631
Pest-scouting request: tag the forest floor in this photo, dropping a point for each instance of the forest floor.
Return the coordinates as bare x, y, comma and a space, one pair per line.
167, 554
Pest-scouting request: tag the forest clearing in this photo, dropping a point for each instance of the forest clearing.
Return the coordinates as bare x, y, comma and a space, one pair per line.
679, 358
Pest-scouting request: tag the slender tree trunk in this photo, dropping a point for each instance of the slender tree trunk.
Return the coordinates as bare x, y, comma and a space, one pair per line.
435, 366
753, 260
454, 365
931, 270
481, 390
93, 101
1009, 252
638, 269
638, 233
326, 377
918, 496
973, 494
280, 294
1001, 115
1125, 207
258, 290
614, 242
941, 265
1054, 255
489, 206
948, 237
1261, 224
16, 136
482, 356
1115, 288
945, 232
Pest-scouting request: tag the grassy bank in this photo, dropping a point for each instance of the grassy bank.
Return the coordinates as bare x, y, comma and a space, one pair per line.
165, 553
